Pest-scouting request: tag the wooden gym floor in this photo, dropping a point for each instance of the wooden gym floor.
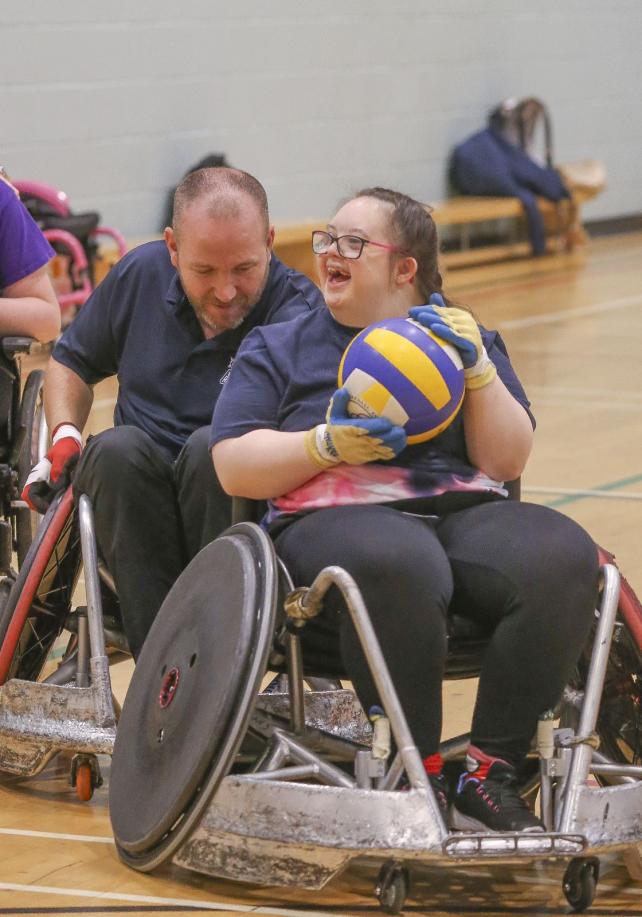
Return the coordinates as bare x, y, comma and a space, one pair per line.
573, 326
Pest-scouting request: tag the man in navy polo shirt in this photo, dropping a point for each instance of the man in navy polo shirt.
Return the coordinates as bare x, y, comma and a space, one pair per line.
167, 320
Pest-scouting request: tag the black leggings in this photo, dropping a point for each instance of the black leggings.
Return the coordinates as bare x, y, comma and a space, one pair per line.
526, 571
152, 515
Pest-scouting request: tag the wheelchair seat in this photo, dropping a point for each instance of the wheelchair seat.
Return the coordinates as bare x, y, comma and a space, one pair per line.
80, 225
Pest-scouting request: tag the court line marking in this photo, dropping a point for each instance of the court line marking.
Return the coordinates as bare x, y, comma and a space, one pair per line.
582, 390
196, 904
52, 835
563, 315
574, 496
580, 494
623, 407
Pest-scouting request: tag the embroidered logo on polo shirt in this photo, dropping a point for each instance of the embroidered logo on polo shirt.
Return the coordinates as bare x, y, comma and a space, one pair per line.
226, 374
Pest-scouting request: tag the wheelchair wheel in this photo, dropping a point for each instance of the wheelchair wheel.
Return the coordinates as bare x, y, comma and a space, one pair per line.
619, 723
191, 695
34, 447
40, 598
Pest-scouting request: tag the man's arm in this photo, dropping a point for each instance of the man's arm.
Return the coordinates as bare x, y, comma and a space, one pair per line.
30, 307
68, 398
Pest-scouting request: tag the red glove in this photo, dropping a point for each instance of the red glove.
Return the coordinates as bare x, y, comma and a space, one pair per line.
53, 472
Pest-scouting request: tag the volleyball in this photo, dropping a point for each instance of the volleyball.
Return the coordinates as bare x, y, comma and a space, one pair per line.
398, 369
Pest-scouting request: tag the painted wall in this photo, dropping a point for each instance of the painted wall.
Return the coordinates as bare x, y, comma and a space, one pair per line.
114, 101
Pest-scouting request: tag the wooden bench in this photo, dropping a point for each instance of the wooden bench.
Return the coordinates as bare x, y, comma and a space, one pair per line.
563, 229
562, 224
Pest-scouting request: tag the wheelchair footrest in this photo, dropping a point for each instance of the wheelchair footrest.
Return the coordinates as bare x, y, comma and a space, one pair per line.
514, 843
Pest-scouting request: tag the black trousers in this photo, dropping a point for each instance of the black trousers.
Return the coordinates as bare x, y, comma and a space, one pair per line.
527, 571
151, 515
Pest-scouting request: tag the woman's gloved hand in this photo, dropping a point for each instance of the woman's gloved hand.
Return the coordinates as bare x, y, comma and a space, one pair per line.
459, 328
353, 440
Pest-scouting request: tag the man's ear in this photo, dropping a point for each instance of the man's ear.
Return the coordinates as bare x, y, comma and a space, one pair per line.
270, 238
405, 271
170, 242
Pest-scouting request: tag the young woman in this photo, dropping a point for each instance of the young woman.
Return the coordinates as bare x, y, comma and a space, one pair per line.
424, 529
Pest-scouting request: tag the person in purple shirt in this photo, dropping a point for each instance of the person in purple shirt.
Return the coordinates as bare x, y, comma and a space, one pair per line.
28, 304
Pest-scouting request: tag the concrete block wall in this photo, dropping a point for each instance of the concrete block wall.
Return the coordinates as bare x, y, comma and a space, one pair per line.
114, 101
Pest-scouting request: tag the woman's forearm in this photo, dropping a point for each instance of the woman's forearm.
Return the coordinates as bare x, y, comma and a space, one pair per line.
263, 464
499, 433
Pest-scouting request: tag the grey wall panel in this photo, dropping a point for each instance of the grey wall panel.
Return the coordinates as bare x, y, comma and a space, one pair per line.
112, 102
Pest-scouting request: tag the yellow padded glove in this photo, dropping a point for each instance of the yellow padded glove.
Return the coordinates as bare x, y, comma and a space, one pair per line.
353, 440
459, 328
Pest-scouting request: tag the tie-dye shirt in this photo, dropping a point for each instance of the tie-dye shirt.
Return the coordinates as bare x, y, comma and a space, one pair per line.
283, 379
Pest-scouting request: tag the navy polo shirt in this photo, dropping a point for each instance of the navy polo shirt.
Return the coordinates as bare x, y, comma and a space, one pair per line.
139, 325
283, 379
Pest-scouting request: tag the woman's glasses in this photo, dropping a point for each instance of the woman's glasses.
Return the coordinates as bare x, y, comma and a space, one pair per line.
347, 246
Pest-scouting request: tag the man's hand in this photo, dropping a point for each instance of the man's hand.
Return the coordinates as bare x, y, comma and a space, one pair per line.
353, 440
53, 473
459, 328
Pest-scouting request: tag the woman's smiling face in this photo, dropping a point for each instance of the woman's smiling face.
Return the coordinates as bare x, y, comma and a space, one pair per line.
356, 290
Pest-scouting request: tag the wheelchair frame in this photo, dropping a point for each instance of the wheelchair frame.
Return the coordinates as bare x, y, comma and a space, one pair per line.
70, 234
27, 440
297, 816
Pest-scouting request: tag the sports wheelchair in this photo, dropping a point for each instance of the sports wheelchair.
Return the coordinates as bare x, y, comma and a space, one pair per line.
23, 442
287, 787
74, 237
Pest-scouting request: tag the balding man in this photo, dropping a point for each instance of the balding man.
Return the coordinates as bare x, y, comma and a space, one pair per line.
167, 320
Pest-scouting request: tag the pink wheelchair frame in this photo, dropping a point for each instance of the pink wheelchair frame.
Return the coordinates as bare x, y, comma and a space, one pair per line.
80, 273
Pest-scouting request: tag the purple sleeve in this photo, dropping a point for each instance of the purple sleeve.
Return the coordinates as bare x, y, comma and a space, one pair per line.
23, 248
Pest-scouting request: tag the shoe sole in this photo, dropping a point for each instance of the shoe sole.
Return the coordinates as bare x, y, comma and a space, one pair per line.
461, 822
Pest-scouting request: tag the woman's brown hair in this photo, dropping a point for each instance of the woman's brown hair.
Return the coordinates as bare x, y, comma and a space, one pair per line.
414, 231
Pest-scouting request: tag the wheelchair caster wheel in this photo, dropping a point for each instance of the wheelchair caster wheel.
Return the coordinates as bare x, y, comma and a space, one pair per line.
392, 887
580, 882
85, 776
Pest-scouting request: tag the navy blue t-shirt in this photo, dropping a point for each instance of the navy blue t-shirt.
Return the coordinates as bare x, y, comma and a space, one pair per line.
283, 379
139, 325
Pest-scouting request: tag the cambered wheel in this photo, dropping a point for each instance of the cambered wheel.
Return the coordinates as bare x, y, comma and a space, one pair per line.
191, 696
34, 447
392, 887
580, 882
619, 723
40, 598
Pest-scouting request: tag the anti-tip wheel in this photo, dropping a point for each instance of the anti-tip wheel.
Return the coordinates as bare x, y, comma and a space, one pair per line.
580, 882
392, 887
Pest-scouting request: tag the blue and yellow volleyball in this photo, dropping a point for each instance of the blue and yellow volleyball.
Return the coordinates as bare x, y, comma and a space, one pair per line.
398, 369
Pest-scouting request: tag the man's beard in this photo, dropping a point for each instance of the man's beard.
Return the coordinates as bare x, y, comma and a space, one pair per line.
211, 325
